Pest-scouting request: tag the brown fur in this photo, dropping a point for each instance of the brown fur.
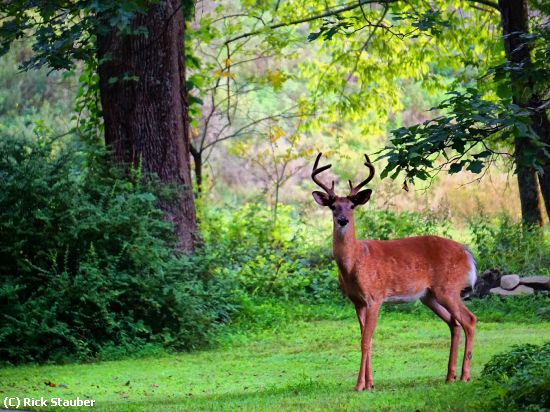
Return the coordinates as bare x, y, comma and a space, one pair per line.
431, 268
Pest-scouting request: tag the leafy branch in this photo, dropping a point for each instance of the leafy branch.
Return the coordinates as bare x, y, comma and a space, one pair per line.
332, 12
467, 137
329, 13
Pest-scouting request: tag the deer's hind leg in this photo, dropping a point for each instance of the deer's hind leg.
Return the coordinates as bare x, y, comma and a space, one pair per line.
454, 305
430, 301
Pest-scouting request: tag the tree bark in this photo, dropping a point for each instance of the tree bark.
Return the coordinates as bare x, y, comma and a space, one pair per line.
541, 125
197, 161
144, 102
514, 23
531, 208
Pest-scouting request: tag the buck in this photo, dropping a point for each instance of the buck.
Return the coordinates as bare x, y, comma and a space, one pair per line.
371, 272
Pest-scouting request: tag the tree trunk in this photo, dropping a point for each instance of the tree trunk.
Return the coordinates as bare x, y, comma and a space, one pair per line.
541, 125
514, 22
531, 209
197, 161
144, 101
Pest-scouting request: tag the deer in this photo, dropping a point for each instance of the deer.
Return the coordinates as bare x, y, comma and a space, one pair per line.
370, 272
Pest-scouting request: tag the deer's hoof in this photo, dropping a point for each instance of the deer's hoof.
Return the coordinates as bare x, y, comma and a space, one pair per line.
361, 386
450, 379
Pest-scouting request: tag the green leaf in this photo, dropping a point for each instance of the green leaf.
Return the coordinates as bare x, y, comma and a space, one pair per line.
475, 167
314, 36
455, 168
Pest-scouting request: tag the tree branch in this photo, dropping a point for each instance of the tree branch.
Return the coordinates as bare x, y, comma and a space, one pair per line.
332, 12
249, 125
488, 3
335, 12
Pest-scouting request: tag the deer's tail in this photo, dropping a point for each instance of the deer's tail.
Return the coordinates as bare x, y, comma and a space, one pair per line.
472, 270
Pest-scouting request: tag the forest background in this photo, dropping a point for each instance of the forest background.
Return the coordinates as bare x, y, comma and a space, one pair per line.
155, 157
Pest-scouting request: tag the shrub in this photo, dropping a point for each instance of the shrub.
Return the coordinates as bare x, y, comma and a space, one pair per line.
519, 379
510, 247
86, 260
385, 224
266, 258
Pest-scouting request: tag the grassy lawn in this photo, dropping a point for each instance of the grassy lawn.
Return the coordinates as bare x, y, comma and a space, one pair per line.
299, 365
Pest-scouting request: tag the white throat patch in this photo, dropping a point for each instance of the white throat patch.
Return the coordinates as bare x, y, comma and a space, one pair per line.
341, 230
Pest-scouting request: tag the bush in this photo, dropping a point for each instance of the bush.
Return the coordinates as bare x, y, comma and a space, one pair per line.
519, 379
386, 225
270, 259
510, 247
86, 260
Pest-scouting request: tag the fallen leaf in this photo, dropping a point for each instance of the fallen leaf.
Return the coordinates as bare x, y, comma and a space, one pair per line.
50, 384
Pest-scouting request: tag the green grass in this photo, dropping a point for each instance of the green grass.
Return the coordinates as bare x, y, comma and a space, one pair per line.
295, 365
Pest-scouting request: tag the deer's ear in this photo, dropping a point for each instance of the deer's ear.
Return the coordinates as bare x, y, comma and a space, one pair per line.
322, 198
361, 198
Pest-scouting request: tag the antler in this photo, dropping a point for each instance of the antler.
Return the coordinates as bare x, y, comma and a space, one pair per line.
316, 171
355, 189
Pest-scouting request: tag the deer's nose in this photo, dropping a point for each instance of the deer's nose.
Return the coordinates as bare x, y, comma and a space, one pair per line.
342, 221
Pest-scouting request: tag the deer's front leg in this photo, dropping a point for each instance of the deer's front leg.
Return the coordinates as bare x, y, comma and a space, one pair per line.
364, 380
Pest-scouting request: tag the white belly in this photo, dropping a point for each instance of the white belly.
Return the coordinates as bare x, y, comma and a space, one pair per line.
405, 298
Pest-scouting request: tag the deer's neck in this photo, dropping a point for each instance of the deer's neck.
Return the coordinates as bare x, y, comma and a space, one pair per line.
344, 246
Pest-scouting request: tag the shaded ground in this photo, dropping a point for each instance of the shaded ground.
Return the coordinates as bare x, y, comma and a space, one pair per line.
304, 365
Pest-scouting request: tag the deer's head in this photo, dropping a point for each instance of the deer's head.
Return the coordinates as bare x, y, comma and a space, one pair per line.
342, 207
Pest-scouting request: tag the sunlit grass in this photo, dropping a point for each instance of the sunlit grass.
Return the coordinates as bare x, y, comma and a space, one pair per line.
300, 365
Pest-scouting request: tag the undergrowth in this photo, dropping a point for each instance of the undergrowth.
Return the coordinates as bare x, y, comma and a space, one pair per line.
510, 247
518, 379
87, 261
89, 270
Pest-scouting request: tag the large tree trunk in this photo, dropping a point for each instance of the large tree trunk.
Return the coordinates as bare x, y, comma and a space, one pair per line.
142, 87
541, 125
514, 22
